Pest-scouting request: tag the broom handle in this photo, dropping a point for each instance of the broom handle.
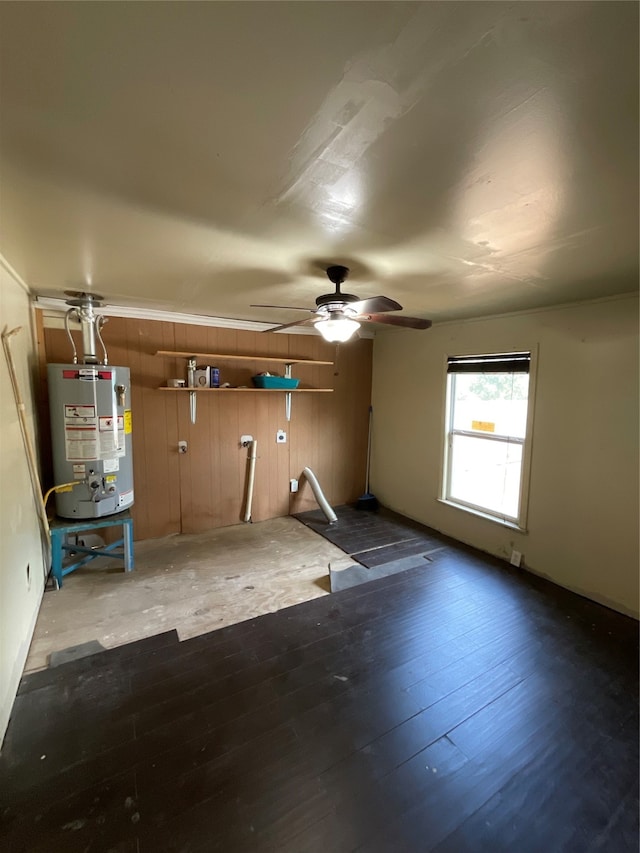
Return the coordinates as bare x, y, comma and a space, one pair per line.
366, 488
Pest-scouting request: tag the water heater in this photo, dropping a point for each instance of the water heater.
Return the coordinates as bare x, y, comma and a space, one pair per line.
90, 408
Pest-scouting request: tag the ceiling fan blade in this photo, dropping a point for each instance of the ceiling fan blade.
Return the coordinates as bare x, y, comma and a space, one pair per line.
288, 325
376, 304
395, 320
287, 307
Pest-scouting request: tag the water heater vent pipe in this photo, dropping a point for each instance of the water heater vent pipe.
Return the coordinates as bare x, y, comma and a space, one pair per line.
82, 305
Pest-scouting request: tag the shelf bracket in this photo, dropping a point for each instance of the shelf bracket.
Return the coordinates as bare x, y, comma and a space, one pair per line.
191, 372
287, 396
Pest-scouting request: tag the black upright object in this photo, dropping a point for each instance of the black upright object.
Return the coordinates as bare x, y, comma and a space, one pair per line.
367, 500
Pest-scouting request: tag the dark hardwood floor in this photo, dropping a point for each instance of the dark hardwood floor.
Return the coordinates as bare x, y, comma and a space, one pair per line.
462, 705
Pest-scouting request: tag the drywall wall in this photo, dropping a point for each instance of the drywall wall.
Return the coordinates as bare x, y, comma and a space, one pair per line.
20, 540
583, 497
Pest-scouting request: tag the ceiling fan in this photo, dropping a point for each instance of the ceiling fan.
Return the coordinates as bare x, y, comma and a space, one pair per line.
338, 315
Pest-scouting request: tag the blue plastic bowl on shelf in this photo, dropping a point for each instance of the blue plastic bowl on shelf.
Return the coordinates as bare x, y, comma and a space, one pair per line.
276, 382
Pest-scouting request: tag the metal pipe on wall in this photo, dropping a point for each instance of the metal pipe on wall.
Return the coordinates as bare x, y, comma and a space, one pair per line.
32, 464
253, 455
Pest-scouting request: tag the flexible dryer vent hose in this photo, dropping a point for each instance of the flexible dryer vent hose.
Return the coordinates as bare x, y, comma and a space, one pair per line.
323, 503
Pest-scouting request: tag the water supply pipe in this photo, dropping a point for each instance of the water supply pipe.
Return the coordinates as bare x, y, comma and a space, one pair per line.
253, 455
323, 503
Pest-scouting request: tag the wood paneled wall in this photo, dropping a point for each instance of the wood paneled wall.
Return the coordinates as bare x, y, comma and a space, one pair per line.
205, 488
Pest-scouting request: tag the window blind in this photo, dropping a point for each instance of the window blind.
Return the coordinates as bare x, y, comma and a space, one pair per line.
510, 362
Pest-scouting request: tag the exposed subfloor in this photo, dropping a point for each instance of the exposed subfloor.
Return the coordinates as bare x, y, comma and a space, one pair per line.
194, 583
462, 706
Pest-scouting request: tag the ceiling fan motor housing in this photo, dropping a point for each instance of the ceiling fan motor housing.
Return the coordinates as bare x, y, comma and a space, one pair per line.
337, 298
336, 274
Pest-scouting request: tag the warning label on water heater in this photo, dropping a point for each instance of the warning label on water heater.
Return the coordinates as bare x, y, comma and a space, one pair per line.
80, 432
111, 437
81, 443
89, 438
80, 415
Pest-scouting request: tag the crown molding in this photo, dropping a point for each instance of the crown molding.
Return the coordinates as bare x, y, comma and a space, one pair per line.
54, 309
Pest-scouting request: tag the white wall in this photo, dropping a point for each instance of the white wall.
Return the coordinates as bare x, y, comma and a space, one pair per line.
20, 541
583, 498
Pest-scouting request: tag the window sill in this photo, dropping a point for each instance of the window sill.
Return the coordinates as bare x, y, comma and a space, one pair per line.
512, 525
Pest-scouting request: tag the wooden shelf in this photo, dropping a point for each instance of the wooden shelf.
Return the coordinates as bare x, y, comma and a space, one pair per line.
252, 390
227, 357
218, 356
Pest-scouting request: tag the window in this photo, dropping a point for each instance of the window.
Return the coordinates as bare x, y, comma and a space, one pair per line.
487, 430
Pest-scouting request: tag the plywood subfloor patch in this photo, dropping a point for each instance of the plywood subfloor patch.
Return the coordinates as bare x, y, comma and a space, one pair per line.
192, 582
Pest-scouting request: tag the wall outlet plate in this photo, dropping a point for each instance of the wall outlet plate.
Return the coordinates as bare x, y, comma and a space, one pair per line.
516, 559
293, 486
245, 440
281, 437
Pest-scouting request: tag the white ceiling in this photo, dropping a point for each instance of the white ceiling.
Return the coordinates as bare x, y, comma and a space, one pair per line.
463, 158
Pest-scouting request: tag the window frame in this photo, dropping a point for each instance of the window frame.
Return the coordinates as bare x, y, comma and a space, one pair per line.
519, 523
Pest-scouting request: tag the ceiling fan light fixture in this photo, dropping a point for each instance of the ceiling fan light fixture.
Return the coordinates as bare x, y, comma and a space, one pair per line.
337, 329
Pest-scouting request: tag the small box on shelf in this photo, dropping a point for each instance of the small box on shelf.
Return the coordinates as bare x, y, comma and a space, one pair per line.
201, 376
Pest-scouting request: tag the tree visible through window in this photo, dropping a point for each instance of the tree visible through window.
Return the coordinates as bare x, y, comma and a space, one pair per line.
487, 408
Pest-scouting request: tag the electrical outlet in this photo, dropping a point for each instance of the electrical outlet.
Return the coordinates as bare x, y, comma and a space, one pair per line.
281, 437
516, 559
293, 486
245, 440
